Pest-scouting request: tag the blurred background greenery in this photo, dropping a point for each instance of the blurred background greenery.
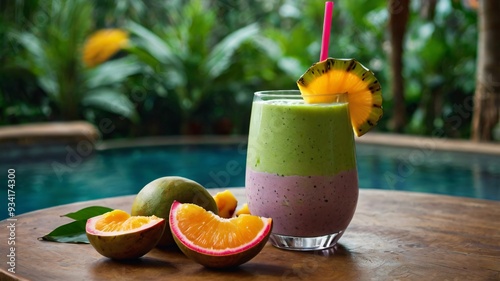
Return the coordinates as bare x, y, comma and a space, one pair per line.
191, 67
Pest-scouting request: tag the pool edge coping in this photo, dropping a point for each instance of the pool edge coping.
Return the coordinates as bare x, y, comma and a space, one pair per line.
374, 138
431, 143
170, 140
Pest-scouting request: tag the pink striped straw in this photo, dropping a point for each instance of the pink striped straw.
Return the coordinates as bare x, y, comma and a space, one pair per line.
327, 23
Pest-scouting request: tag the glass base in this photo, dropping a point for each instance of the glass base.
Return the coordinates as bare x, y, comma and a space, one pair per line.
295, 243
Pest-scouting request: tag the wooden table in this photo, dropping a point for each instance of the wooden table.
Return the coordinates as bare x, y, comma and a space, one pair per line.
393, 236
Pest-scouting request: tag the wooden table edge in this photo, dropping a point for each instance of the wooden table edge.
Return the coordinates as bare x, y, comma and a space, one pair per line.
240, 195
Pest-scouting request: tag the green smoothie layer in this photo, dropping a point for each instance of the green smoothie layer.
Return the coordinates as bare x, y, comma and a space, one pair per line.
300, 139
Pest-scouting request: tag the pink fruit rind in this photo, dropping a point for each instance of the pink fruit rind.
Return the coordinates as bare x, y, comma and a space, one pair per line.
225, 252
90, 227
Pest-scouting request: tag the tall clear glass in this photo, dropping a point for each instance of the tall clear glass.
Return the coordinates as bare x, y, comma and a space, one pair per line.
301, 168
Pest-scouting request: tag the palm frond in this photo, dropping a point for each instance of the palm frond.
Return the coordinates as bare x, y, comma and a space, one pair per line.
112, 72
219, 58
111, 100
37, 62
153, 44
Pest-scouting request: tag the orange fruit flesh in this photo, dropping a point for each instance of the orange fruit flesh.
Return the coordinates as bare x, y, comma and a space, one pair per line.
335, 76
206, 230
118, 220
226, 203
243, 211
337, 81
360, 99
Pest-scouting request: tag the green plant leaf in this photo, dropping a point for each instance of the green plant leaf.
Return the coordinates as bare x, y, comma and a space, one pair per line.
32, 44
143, 56
111, 100
112, 72
268, 46
87, 213
37, 61
220, 58
73, 232
153, 44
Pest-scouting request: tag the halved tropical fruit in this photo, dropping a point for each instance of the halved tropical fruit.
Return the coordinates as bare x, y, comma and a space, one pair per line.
157, 197
118, 235
226, 203
334, 76
214, 241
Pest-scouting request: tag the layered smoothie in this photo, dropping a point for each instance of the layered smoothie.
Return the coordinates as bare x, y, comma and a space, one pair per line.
301, 166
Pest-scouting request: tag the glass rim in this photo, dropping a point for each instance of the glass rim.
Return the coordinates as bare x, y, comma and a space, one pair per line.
289, 93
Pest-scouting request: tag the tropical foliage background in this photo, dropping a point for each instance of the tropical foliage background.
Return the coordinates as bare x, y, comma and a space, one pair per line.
191, 67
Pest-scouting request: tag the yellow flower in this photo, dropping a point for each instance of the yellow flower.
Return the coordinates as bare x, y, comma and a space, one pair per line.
102, 45
471, 4
474, 4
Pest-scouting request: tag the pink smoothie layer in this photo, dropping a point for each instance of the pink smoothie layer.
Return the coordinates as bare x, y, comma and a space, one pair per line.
303, 205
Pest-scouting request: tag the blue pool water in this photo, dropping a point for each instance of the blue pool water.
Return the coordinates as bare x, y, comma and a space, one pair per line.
45, 181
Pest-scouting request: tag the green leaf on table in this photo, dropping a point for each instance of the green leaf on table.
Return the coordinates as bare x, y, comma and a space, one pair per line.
87, 213
74, 232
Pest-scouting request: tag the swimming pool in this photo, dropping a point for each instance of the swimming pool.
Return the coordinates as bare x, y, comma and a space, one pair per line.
62, 177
